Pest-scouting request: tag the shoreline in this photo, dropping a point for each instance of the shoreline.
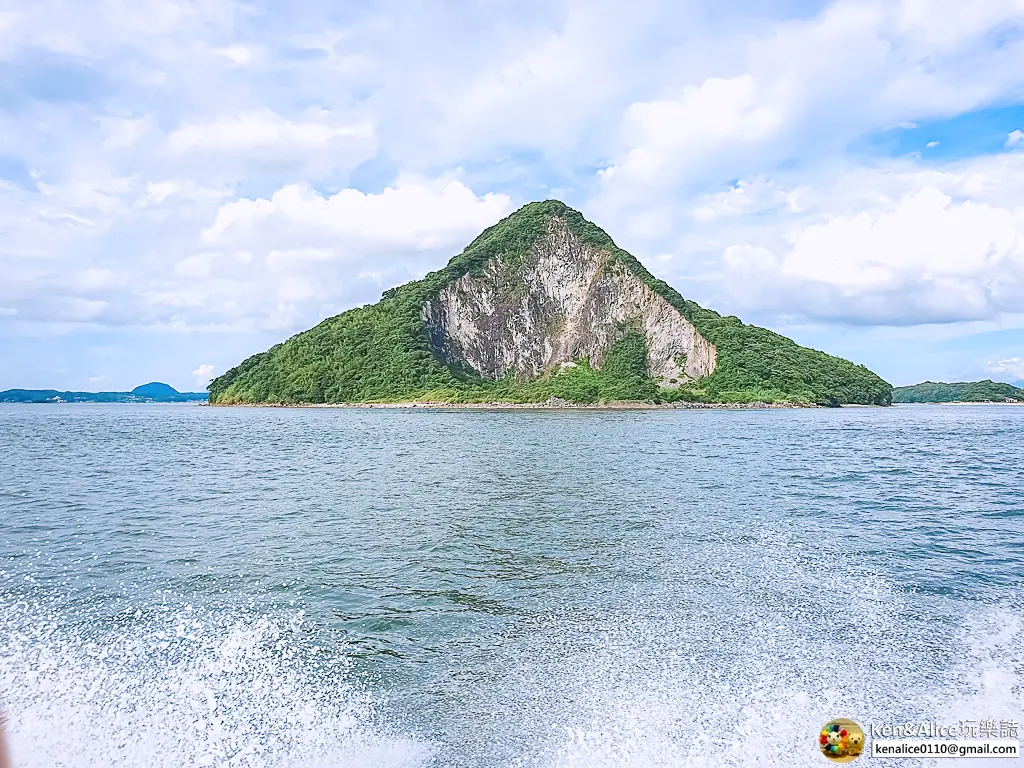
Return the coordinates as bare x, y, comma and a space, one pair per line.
971, 402
551, 404
554, 404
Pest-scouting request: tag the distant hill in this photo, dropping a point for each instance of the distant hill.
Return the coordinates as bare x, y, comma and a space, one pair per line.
958, 392
1017, 384
154, 392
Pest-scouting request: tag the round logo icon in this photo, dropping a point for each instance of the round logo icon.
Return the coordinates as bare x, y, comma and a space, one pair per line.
841, 740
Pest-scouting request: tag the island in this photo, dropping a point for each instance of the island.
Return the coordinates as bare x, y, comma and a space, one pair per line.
153, 392
986, 391
543, 306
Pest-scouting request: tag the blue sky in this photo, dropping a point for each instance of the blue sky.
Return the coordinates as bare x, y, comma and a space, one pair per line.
184, 183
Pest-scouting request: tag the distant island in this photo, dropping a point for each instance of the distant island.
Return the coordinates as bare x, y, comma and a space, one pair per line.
154, 392
543, 306
986, 391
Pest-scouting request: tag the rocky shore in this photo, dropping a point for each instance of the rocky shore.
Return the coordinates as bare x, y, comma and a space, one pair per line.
552, 403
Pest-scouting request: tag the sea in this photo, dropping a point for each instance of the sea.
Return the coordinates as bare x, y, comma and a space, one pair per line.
281, 587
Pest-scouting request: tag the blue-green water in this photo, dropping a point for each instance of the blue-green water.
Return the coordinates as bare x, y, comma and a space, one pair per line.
315, 587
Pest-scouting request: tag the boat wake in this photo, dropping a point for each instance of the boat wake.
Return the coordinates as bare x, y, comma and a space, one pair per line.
186, 688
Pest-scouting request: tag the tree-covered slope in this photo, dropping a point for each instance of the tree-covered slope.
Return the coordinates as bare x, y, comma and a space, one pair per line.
382, 352
986, 391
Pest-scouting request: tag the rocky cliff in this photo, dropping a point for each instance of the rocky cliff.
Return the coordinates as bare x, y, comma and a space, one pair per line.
564, 301
543, 304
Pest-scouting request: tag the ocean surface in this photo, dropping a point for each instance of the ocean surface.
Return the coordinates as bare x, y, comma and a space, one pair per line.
191, 586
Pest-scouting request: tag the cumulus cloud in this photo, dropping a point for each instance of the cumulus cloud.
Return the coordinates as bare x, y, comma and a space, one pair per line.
922, 259
548, 80
1011, 366
1015, 138
281, 262
948, 23
756, 196
264, 130
289, 260
241, 55
254, 143
203, 373
670, 137
122, 133
411, 215
807, 89
308, 255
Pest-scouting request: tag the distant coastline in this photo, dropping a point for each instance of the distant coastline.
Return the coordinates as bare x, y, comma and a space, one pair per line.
965, 402
153, 392
966, 392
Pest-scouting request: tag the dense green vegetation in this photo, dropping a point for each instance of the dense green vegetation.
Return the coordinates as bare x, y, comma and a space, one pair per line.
622, 377
958, 392
382, 353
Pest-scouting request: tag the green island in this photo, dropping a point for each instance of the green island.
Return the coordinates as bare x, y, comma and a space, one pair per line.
986, 391
386, 353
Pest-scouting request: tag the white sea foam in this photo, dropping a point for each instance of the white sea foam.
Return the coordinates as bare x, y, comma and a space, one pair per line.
185, 689
707, 717
672, 684
198, 689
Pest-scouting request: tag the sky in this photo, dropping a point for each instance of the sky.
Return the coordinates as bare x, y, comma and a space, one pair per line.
185, 183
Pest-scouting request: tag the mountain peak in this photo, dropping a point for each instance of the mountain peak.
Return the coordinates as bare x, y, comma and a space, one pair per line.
550, 207
553, 294
542, 304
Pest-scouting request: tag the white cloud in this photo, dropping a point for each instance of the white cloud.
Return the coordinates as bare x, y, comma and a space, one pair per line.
555, 79
931, 145
949, 23
307, 255
1014, 366
280, 262
92, 30
180, 192
671, 137
265, 130
158, 191
204, 264
411, 215
806, 89
888, 243
923, 258
122, 133
743, 198
1015, 138
240, 55
203, 373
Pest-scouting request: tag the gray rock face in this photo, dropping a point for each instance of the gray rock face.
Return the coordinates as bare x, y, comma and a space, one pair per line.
566, 301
